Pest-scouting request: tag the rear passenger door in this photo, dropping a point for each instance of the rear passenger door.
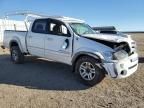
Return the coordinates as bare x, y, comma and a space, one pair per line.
36, 38
58, 42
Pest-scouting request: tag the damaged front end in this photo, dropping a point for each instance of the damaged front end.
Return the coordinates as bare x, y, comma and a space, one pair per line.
123, 60
123, 66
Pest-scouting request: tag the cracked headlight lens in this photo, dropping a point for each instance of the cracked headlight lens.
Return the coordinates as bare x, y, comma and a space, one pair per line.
120, 55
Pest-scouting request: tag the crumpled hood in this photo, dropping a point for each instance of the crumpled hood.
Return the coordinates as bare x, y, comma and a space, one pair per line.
108, 37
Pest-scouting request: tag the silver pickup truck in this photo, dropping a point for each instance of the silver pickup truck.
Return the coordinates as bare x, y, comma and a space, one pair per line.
71, 41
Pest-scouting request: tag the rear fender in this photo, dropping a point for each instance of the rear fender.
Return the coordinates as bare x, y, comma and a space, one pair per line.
16, 40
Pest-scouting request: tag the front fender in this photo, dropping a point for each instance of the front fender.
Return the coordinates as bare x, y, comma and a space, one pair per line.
95, 55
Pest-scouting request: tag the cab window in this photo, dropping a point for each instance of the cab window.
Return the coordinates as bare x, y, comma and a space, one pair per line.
58, 28
40, 26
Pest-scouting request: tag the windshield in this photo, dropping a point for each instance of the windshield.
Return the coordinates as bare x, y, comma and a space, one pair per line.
81, 28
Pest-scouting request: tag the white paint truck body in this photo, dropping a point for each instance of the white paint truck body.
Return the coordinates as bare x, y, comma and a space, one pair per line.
67, 40
6, 24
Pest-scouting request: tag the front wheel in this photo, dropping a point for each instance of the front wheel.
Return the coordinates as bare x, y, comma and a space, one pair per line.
88, 70
16, 55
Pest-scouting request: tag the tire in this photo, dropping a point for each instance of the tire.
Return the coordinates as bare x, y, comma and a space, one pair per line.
17, 56
88, 71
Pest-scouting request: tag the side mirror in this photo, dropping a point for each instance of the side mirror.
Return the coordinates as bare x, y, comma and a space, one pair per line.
65, 44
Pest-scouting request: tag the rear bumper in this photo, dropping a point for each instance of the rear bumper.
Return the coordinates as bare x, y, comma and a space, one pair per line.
122, 68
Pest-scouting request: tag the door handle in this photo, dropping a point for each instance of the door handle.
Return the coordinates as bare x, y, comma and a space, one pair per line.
65, 44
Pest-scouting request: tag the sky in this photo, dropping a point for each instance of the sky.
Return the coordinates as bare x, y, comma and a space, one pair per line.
125, 15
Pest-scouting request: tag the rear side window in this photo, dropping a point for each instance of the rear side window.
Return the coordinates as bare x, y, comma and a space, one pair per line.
40, 26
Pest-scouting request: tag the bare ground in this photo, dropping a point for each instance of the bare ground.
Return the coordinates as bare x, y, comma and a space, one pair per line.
43, 84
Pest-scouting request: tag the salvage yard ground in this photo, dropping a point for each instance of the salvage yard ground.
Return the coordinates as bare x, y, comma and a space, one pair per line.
41, 84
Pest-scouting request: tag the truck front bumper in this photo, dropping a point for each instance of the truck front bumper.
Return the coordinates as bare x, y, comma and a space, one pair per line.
122, 68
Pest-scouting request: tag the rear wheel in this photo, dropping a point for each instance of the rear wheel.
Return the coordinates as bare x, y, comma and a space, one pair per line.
16, 55
88, 70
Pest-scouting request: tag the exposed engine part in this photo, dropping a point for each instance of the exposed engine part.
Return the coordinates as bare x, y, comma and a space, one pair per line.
122, 46
116, 46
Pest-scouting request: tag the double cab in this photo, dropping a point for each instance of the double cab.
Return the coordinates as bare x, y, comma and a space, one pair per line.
71, 41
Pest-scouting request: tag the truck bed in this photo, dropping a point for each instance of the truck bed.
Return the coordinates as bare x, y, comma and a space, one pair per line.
18, 36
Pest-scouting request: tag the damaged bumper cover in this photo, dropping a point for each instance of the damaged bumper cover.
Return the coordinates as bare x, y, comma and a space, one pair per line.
122, 68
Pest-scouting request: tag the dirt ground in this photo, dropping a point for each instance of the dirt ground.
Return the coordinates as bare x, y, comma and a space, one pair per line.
43, 84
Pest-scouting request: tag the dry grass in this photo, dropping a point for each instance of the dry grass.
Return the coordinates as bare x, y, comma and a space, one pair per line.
42, 84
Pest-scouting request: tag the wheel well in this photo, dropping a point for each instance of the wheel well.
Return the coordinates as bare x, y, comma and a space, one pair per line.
13, 44
82, 55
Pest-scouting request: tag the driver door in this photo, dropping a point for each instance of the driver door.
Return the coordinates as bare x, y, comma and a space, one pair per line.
58, 42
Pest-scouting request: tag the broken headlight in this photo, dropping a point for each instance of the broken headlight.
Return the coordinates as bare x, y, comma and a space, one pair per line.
120, 55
